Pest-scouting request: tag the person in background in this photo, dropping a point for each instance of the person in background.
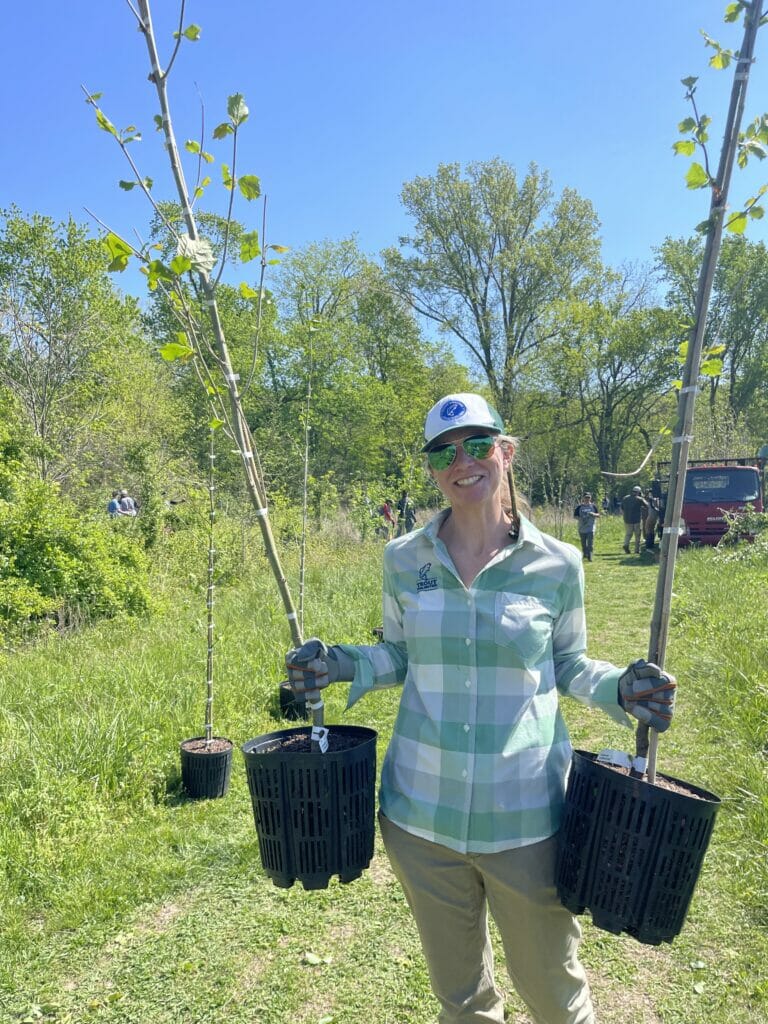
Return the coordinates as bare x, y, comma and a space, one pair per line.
113, 506
127, 504
606, 504
484, 630
632, 506
587, 515
406, 514
650, 519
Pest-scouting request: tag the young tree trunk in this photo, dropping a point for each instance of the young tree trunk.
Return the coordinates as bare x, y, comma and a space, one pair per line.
684, 429
242, 433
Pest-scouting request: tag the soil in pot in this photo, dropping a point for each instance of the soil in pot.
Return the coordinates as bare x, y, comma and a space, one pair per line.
206, 767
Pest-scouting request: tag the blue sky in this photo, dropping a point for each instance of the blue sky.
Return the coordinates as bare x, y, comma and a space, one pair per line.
350, 98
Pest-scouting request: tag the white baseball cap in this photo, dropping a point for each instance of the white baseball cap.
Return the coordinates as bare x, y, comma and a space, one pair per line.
462, 410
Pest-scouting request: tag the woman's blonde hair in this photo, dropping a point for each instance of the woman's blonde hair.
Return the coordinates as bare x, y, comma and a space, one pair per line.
516, 502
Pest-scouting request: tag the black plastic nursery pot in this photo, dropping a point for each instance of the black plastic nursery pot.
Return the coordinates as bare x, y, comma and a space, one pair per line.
205, 768
630, 852
314, 812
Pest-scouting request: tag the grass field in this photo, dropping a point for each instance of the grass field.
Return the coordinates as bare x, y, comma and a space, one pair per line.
125, 902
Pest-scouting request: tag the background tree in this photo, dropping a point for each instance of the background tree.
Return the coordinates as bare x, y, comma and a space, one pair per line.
487, 259
73, 355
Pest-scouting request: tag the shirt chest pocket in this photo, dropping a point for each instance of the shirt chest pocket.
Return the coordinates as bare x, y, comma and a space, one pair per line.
523, 624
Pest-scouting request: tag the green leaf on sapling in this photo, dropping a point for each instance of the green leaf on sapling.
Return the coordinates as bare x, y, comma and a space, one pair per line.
756, 212
237, 110
222, 130
690, 81
192, 33
226, 177
208, 157
247, 292
688, 125
249, 246
250, 186
676, 385
105, 124
174, 350
157, 271
280, 248
682, 352
703, 226
737, 224
732, 12
712, 367
126, 186
158, 119
192, 146
180, 265
696, 177
214, 424
119, 252
715, 350
685, 147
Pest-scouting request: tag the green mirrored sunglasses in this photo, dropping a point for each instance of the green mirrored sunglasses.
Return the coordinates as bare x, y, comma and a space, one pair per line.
478, 447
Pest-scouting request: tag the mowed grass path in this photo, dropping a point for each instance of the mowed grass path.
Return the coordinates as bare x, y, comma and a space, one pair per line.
127, 903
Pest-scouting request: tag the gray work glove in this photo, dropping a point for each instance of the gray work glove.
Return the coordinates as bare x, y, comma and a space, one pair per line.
648, 694
313, 666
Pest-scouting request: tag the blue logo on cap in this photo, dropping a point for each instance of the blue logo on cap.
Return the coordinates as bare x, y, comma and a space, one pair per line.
452, 410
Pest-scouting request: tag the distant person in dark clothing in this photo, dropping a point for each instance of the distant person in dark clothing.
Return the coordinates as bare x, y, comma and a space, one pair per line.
632, 506
650, 519
113, 507
406, 514
587, 515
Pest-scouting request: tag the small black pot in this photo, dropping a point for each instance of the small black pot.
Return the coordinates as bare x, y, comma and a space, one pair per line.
314, 812
205, 773
631, 852
292, 708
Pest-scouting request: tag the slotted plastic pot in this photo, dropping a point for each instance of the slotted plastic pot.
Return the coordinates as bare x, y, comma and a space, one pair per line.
630, 852
314, 812
205, 774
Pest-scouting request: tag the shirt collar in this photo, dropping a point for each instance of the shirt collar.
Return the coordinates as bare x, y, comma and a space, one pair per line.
529, 534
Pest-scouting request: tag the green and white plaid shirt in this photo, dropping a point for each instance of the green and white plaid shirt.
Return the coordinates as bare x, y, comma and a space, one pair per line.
480, 752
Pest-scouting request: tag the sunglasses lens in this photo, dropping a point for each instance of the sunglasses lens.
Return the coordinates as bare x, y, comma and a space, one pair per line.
478, 447
442, 457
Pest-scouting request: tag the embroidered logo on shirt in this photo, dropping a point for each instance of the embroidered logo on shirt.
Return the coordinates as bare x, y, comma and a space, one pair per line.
426, 582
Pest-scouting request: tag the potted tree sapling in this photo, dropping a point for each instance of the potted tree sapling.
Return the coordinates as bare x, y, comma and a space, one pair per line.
314, 817
633, 841
206, 760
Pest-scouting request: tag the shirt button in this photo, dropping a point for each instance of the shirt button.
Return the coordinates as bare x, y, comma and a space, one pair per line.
467, 641
464, 774
468, 683
466, 728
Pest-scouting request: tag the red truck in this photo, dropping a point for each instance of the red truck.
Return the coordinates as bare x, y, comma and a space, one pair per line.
712, 488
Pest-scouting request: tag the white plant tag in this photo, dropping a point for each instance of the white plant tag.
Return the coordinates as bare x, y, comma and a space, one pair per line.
320, 735
617, 758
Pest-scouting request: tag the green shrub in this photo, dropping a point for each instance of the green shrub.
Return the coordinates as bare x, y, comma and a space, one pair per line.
57, 566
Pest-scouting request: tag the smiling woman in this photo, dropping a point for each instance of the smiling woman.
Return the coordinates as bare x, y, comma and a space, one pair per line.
483, 628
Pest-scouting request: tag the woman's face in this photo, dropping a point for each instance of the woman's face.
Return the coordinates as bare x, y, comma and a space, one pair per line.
469, 482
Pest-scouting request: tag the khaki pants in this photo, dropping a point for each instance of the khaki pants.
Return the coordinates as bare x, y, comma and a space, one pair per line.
632, 530
450, 894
